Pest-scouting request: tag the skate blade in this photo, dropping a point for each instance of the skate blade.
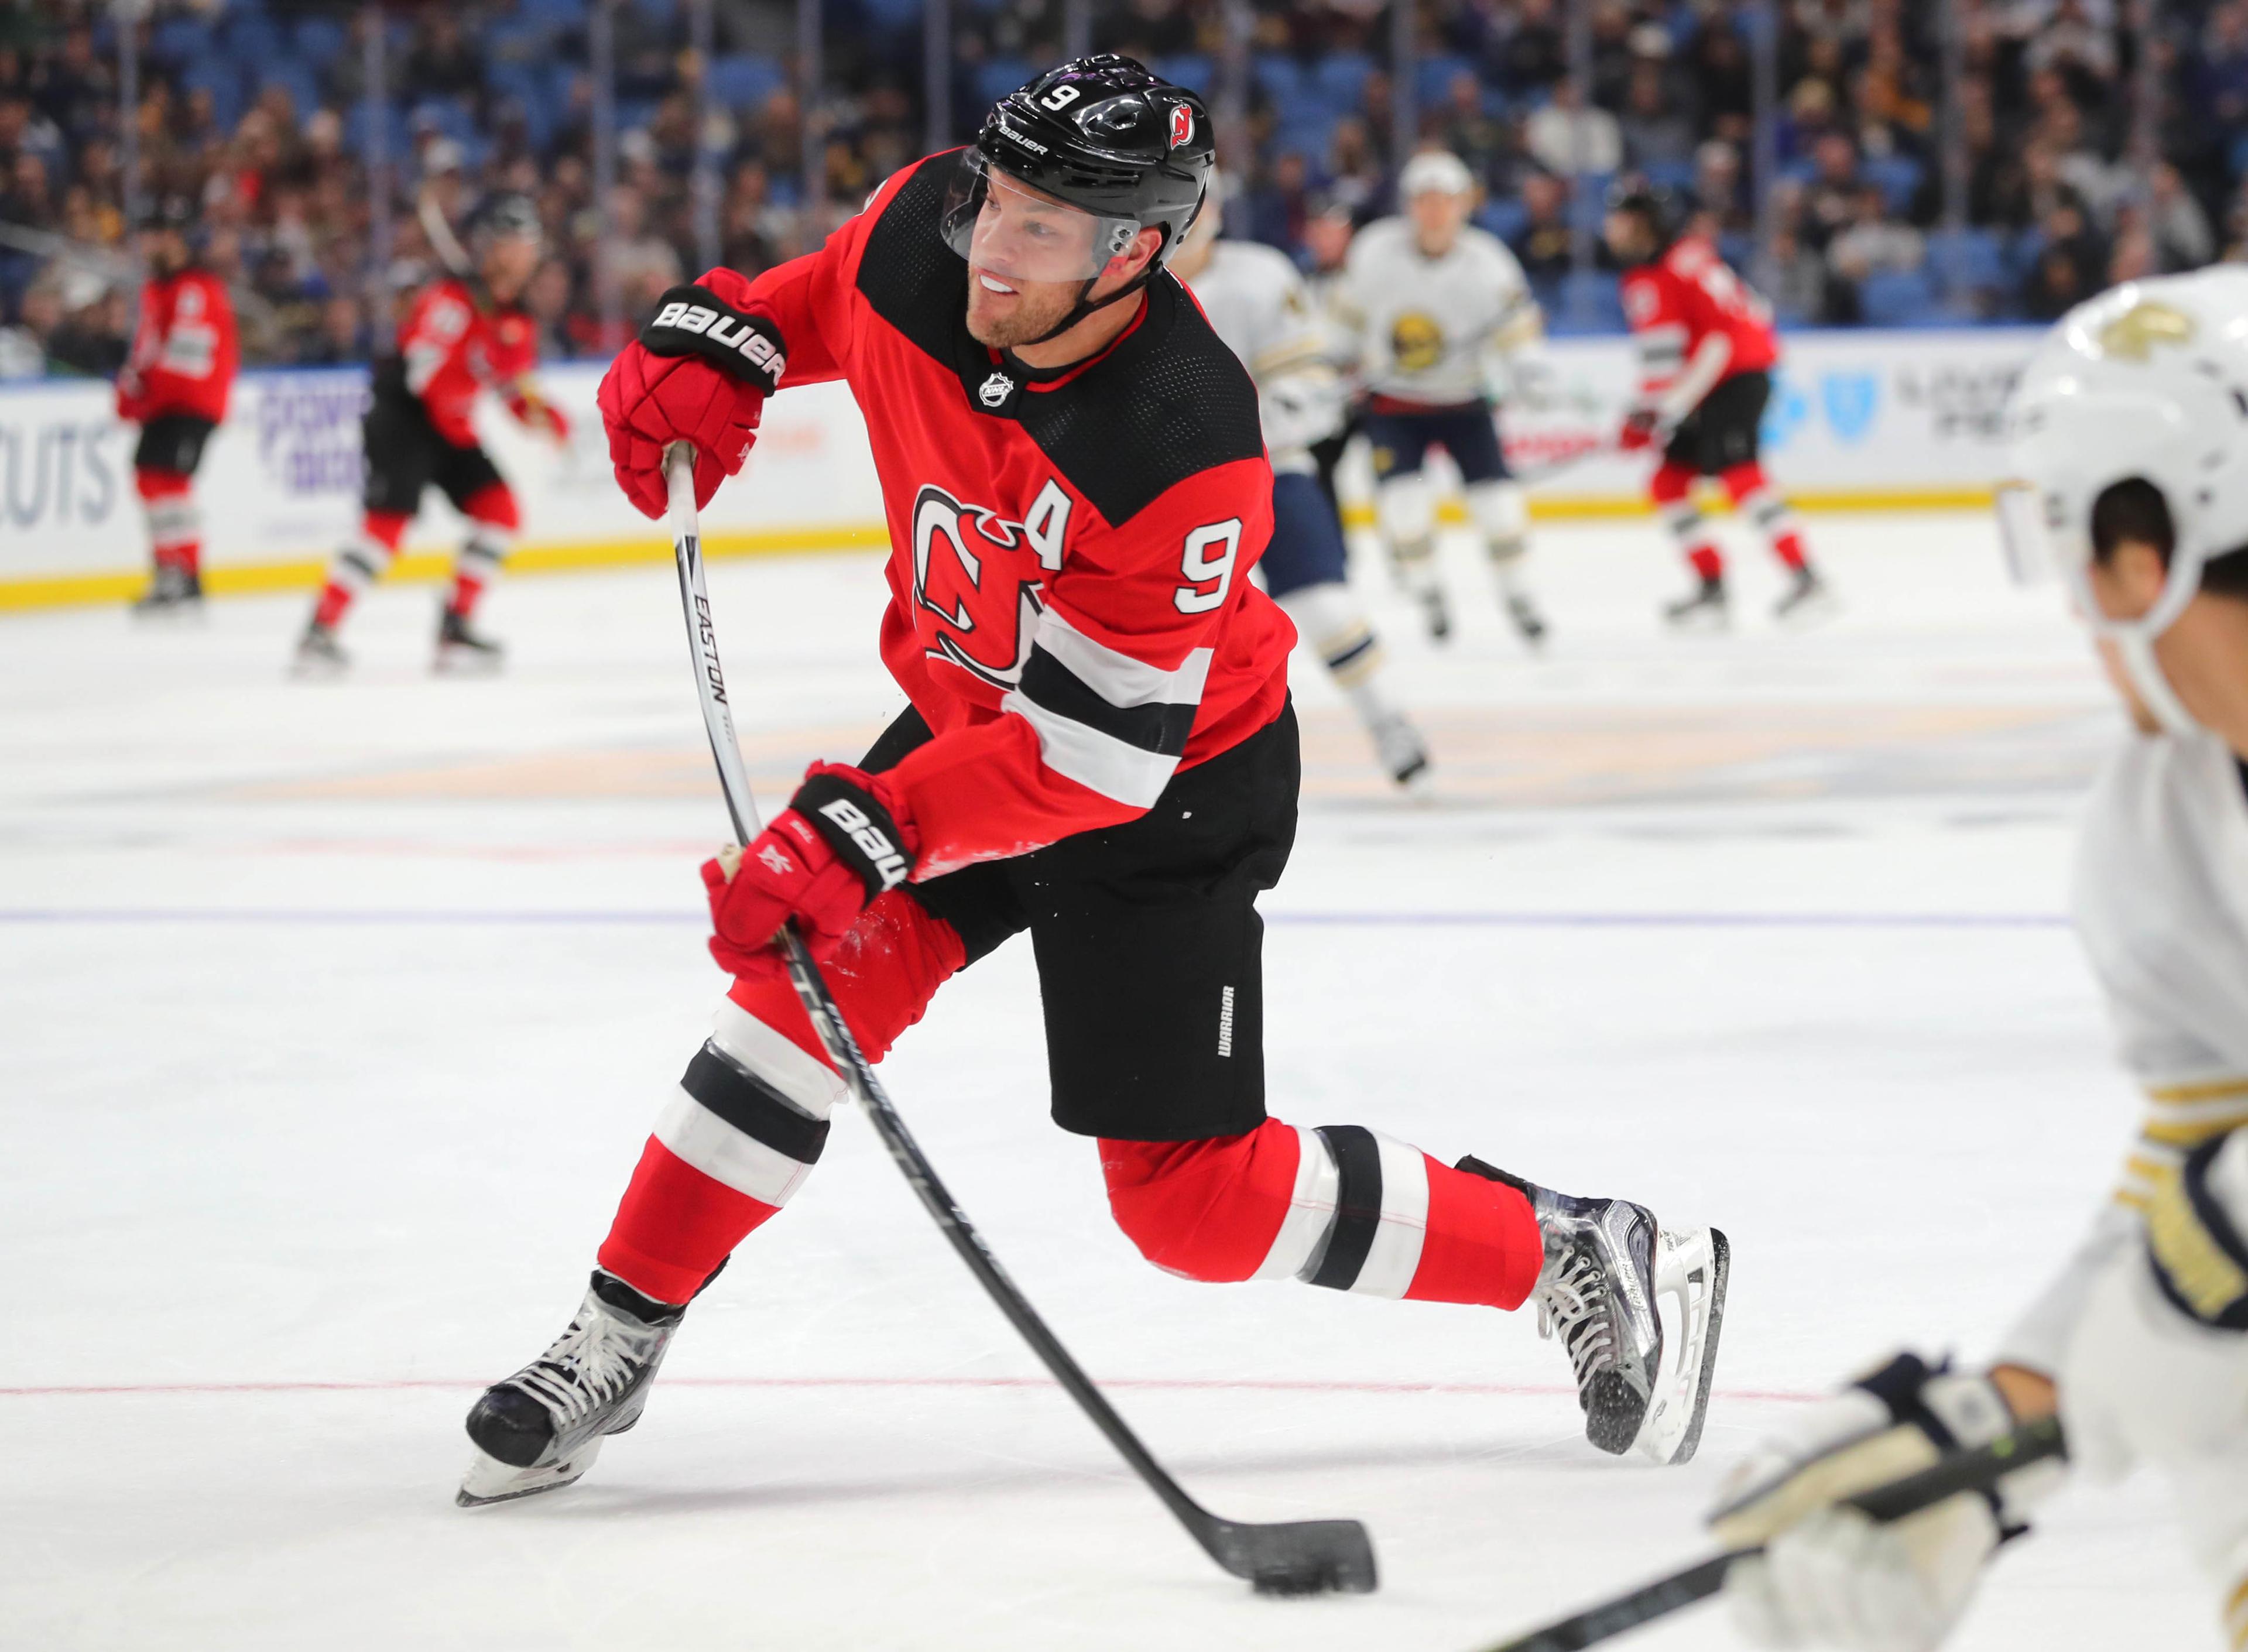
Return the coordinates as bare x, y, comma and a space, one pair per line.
1814, 610
1700, 622
311, 668
1694, 1268
488, 1480
453, 661
189, 612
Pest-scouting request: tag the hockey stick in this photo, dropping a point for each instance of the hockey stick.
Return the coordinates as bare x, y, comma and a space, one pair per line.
1976, 1470
1299, 1557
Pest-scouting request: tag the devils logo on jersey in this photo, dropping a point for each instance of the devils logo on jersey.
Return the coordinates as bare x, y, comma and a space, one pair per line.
979, 574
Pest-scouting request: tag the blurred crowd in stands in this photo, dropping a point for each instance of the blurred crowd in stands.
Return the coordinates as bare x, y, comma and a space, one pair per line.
255, 110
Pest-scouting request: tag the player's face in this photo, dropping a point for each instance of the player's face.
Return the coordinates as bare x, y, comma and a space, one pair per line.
2203, 654
508, 265
1438, 215
1625, 235
163, 251
1029, 258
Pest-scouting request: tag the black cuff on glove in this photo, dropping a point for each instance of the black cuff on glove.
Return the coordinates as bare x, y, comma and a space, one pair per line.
695, 321
856, 826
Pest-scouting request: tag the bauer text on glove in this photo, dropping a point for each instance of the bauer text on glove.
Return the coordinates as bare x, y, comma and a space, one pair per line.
841, 842
699, 372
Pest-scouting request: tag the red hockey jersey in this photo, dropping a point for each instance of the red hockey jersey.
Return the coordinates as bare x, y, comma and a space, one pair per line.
184, 355
1681, 299
457, 340
1070, 602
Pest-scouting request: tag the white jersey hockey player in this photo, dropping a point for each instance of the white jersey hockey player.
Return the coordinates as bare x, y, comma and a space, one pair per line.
2130, 437
1258, 306
1442, 317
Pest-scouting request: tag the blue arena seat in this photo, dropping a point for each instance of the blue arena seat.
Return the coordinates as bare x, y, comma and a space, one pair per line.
1897, 299
1898, 176
745, 80
1968, 261
1192, 70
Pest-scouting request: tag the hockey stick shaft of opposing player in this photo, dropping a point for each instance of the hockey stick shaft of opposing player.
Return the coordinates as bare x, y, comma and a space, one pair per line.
1296, 1557
1976, 1470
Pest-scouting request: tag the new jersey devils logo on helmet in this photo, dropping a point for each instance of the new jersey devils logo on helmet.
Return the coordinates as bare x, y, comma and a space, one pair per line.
1182, 124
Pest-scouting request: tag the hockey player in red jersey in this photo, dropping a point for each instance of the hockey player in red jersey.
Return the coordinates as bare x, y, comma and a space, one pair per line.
1100, 749
1706, 349
465, 334
175, 386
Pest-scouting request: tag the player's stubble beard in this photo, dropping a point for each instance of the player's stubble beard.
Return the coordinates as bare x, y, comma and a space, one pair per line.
1001, 321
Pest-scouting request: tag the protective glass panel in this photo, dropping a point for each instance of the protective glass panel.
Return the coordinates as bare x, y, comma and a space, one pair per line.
1008, 230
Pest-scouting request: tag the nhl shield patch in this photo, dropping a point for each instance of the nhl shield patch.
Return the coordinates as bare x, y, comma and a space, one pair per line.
995, 390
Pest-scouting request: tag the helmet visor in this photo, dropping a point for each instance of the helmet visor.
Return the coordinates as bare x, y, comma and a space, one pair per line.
1006, 228
2033, 555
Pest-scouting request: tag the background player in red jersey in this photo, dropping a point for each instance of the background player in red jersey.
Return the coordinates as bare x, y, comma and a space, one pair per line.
1099, 750
465, 334
1706, 349
175, 386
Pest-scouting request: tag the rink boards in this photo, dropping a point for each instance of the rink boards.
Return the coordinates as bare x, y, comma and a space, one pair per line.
1858, 420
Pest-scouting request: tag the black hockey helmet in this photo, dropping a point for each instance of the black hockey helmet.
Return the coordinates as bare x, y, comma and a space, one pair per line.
1653, 204
1102, 134
509, 217
174, 212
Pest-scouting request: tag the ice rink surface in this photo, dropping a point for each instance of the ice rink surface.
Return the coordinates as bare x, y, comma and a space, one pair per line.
334, 1015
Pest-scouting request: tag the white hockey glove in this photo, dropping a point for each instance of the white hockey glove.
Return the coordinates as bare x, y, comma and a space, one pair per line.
1301, 407
2158, 1369
1829, 1576
1530, 380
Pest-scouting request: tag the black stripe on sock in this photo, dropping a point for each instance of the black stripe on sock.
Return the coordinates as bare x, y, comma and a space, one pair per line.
1357, 1203
1159, 728
1342, 662
753, 1107
358, 560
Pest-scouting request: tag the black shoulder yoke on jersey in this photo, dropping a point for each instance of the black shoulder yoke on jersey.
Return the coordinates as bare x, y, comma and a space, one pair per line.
1167, 403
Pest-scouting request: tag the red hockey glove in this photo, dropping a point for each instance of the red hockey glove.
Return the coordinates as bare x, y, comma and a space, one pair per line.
699, 372
1642, 428
131, 405
840, 842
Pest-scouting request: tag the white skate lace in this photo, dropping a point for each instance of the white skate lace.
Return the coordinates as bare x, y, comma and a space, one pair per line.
1573, 1305
582, 1372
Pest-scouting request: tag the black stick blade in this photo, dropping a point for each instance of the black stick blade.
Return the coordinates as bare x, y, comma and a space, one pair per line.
1301, 1557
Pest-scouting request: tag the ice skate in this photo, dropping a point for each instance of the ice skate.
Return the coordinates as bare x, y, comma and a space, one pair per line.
318, 654
1529, 624
174, 593
1807, 600
1402, 750
462, 651
542, 1428
1639, 1307
1704, 608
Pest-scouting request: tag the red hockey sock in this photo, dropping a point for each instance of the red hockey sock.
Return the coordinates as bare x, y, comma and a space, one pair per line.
1362, 1212
359, 563
1754, 497
1672, 489
493, 519
174, 529
746, 1125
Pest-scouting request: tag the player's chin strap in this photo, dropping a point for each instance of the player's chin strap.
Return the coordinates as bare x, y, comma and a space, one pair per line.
1079, 311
